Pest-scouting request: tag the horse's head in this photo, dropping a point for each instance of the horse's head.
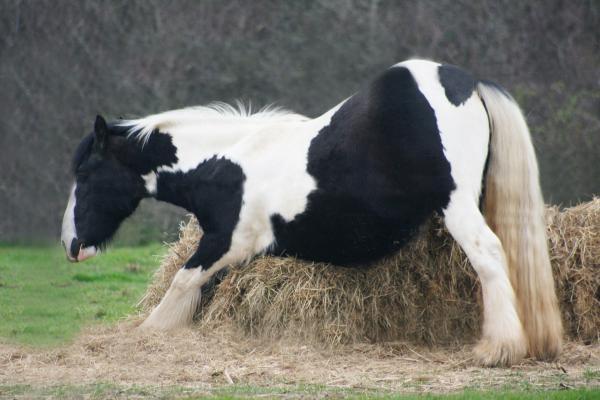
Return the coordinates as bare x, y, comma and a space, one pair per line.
105, 192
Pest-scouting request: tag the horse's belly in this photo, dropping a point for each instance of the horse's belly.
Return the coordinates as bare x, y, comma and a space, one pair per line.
343, 231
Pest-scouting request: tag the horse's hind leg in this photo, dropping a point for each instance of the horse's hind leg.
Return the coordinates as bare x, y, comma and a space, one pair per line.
503, 341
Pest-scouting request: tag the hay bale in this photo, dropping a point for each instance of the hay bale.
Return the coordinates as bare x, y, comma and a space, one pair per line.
574, 240
426, 293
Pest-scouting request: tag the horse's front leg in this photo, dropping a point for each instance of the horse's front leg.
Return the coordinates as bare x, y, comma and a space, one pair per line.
179, 304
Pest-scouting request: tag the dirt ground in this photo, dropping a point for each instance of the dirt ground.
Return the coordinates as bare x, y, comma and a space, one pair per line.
192, 358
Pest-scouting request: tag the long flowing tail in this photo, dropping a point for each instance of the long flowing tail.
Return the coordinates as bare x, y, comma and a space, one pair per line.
514, 209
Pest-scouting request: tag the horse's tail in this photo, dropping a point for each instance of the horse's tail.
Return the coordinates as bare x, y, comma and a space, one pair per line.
514, 209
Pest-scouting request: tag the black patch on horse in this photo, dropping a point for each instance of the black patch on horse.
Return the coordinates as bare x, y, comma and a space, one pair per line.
380, 171
143, 157
213, 192
458, 84
109, 183
107, 192
486, 165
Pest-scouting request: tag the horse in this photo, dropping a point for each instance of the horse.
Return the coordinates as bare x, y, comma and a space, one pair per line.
348, 187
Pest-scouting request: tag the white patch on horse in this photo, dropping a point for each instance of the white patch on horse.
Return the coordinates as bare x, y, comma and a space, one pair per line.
150, 182
270, 190
69, 232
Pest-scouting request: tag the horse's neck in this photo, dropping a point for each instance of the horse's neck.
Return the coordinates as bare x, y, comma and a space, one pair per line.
196, 143
199, 133
201, 141
195, 147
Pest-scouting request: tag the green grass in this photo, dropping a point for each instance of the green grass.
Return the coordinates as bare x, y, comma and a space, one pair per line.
45, 300
591, 375
110, 391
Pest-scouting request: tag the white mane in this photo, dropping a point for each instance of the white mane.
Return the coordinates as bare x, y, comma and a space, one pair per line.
142, 128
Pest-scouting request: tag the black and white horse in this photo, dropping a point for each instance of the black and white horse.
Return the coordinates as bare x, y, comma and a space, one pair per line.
348, 187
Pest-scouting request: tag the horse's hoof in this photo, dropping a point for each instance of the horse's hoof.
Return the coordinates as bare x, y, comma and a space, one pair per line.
500, 353
146, 327
547, 348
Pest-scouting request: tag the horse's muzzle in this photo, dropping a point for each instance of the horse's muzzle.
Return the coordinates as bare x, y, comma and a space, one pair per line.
76, 252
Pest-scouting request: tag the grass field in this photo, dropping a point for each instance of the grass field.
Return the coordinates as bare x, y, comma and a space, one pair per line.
45, 301
305, 391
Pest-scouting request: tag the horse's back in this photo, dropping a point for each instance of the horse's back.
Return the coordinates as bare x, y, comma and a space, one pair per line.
382, 167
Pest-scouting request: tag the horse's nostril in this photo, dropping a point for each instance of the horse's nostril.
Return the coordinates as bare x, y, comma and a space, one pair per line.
75, 247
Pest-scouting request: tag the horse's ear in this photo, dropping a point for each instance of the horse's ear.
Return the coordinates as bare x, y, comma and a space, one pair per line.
100, 132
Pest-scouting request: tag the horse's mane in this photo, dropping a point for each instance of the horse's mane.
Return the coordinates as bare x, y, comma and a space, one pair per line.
142, 128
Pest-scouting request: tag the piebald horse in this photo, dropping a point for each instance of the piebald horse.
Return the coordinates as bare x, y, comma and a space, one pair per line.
347, 187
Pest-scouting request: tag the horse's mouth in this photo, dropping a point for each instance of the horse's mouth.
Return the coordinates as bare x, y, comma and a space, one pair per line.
77, 252
86, 252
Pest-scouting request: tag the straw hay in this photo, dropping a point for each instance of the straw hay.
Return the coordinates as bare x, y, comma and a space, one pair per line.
427, 293
574, 239
201, 361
